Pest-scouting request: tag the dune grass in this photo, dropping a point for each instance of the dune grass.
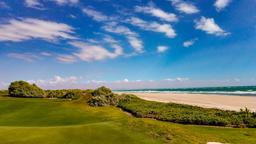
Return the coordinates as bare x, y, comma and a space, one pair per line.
187, 114
44, 121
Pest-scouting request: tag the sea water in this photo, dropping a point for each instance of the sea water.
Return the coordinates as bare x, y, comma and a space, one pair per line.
231, 90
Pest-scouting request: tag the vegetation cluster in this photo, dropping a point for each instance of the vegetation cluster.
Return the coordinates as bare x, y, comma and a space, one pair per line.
171, 112
187, 114
24, 89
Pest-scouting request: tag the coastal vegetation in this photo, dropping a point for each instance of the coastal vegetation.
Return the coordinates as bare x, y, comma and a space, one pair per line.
171, 112
187, 114
96, 116
24, 89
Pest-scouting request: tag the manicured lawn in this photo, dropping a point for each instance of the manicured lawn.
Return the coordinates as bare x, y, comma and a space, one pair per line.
43, 121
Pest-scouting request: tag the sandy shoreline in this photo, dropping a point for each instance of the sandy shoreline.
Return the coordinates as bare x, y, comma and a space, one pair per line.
226, 102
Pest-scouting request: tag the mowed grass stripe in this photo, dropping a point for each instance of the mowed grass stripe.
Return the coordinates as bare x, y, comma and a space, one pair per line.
107, 133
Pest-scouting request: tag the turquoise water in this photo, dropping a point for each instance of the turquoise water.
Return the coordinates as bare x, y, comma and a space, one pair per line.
233, 90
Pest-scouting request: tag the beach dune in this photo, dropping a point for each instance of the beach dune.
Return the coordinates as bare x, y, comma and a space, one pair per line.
226, 102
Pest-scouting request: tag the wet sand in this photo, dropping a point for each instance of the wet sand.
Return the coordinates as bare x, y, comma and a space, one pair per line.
226, 102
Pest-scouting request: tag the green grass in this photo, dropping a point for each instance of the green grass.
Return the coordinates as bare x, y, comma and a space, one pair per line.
43, 121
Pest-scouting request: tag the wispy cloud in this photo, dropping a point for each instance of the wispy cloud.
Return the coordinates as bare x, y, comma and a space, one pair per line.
95, 15
89, 52
156, 12
221, 4
33, 4
153, 26
210, 27
66, 58
29, 57
66, 2
112, 26
184, 7
189, 42
162, 49
22, 29
133, 38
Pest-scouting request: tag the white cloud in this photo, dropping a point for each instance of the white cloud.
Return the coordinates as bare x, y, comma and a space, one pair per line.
209, 26
17, 30
125, 80
96, 81
66, 58
66, 2
156, 12
162, 49
221, 4
178, 79
90, 52
153, 26
33, 4
24, 56
132, 37
184, 7
56, 82
189, 42
95, 15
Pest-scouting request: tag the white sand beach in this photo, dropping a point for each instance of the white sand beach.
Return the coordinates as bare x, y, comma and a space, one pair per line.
226, 102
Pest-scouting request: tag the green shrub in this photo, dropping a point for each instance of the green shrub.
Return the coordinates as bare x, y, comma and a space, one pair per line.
24, 89
98, 101
69, 94
104, 97
102, 91
186, 114
56, 93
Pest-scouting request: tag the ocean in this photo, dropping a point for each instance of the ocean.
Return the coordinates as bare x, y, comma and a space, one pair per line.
230, 90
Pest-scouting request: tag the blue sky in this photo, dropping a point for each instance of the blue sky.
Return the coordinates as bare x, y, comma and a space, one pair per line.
128, 44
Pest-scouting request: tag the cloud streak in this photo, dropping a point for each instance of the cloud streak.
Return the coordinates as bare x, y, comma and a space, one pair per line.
66, 2
17, 30
28, 57
153, 26
33, 4
132, 37
156, 12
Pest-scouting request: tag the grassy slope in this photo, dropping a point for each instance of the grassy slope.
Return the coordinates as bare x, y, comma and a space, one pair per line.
44, 121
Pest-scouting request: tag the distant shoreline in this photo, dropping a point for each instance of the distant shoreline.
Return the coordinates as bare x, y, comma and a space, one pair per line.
225, 102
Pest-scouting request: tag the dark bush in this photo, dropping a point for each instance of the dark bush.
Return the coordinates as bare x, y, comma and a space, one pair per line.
24, 89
